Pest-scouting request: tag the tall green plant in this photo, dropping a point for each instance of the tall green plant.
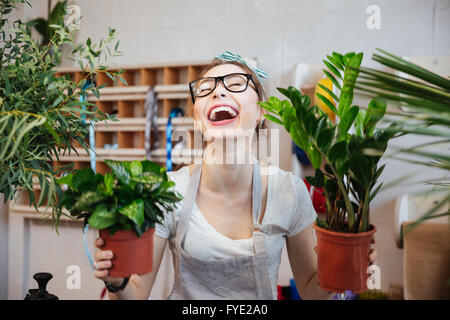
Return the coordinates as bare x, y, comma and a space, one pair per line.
350, 172
41, 115
421, 106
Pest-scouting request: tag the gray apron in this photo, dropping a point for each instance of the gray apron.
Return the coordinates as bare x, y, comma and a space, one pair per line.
244, 277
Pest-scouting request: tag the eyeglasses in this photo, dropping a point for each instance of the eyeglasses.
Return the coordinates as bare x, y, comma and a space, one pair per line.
233, 82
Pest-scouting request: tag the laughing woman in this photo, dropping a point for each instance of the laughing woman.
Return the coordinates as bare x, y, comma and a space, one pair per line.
227, 235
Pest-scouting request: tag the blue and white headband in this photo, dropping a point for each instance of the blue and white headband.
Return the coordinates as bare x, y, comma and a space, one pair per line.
230, 56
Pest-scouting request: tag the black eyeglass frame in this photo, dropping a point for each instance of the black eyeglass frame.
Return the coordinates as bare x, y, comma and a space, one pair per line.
221, 78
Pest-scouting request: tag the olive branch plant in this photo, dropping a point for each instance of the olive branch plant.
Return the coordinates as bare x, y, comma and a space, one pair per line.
41, 114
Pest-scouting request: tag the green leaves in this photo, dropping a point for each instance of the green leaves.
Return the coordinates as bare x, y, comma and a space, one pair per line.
361, 169
102, 218
136, 168
326, 101
120, 170
86, 180
67, 179
347, 120
87, 201
375, 112
359, 123
40, 114
57, 101
338, 151
148, 179
273, 119
318, 180
107, 187
350, 75
310, 123
332, 68
15, 128
289, 118
298, 134
398, 63
333, 79
324, 139
134, 211
349, 170
315, 157
106, 201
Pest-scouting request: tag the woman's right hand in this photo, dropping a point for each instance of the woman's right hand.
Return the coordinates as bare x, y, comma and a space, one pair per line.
103, 263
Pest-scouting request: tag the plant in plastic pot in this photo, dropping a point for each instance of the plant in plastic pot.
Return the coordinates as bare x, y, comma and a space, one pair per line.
346, 167
124, 206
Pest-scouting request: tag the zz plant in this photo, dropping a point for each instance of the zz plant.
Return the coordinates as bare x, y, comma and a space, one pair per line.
346, 164
134, 195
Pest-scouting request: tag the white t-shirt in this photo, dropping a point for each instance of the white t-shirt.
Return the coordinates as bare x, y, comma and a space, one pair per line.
288, 210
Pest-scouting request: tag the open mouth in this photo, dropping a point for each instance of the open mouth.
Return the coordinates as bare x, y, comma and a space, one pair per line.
222, 115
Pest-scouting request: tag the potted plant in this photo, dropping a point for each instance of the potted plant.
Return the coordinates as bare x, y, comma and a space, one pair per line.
346, 166
41, 115
124, 206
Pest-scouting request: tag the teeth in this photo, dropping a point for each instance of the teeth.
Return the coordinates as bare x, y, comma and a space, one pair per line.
228, 109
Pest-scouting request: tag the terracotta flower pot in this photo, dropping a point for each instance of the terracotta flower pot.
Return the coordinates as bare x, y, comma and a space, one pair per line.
132, 255
343, 259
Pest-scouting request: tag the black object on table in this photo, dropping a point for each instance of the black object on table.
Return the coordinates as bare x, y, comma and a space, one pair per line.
42, 279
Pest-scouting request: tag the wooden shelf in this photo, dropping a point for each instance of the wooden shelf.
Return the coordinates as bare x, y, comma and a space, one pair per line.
127, 154
168, 88
138, 124
103, 153
130, 93
151, 66
30, 212
175, 153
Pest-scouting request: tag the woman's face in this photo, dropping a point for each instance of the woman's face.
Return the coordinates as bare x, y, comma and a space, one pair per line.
247, 113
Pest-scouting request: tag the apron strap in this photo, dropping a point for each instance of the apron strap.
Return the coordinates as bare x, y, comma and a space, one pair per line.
259, 244
188, 202
256, 194
257, 229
